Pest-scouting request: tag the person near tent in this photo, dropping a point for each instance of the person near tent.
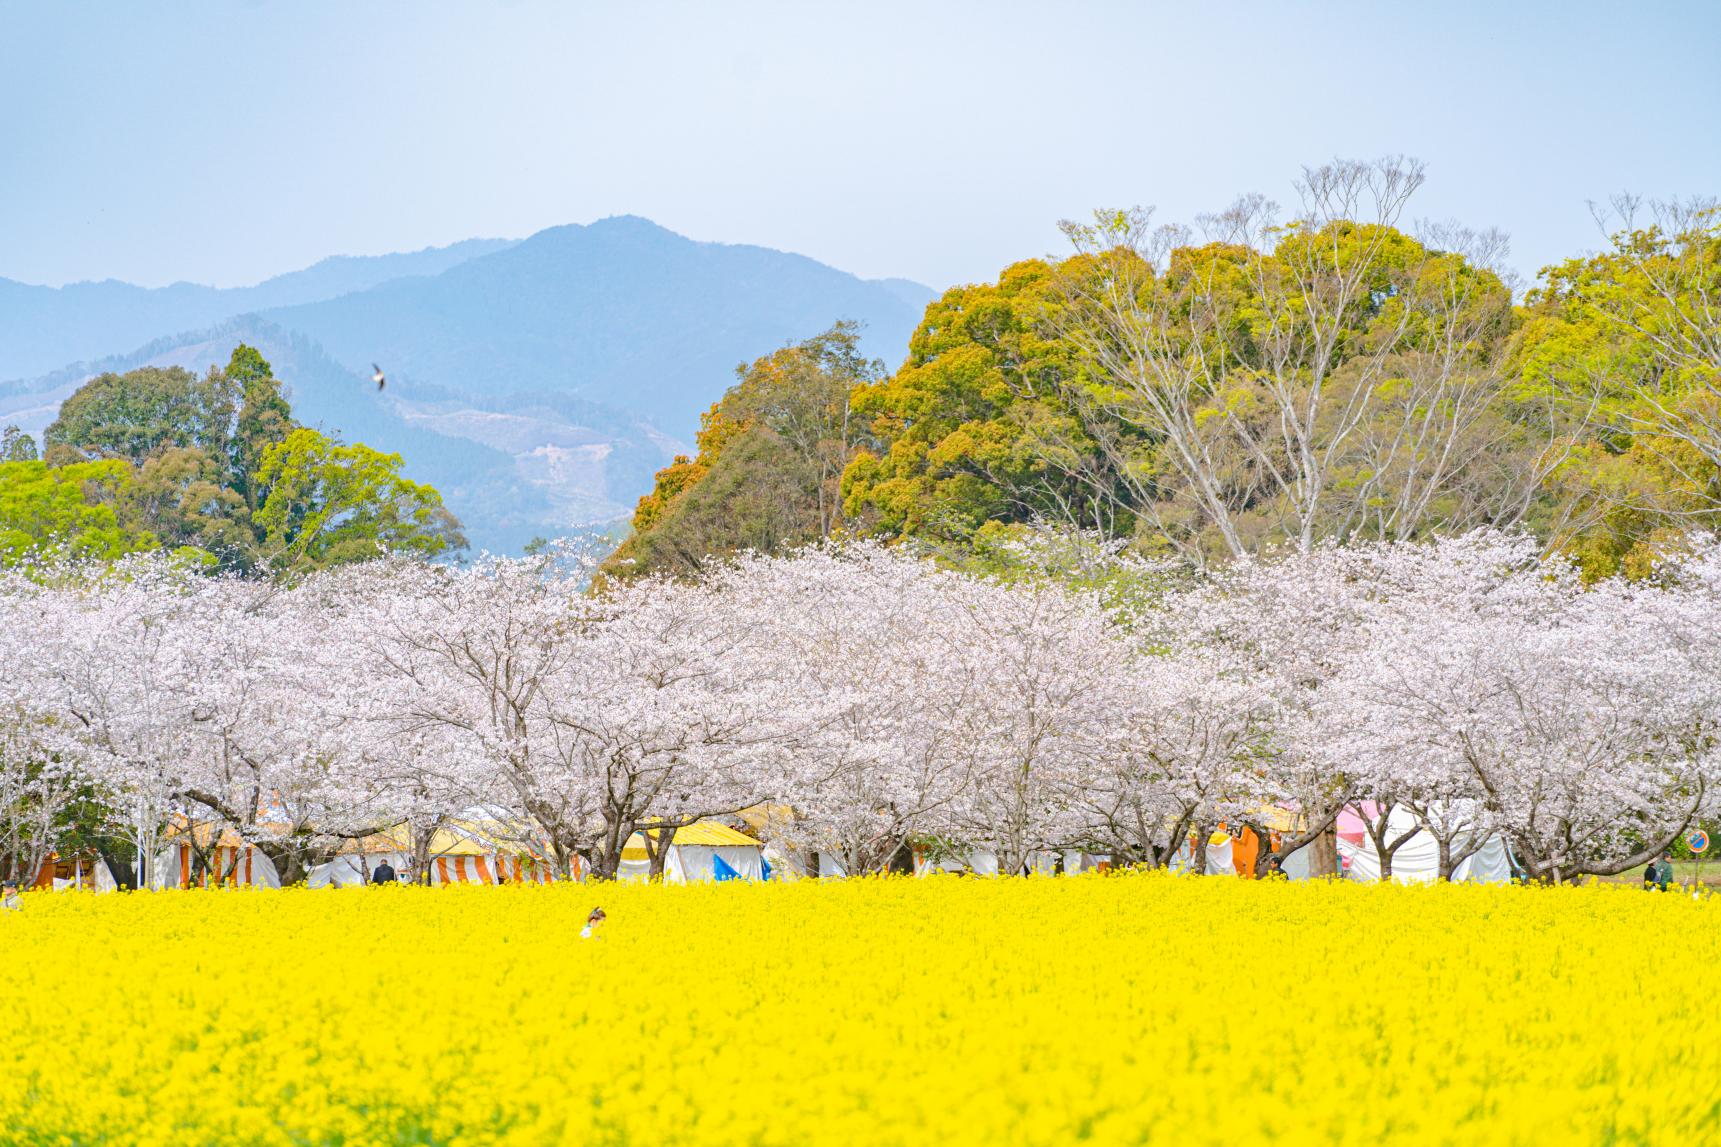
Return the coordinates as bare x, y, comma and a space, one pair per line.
590, 931
10, 901
1275, 869
384, 873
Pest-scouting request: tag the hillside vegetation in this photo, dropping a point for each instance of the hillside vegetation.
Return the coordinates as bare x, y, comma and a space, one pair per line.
212, 466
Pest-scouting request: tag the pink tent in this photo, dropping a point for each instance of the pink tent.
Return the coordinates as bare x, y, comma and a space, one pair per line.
1351, 825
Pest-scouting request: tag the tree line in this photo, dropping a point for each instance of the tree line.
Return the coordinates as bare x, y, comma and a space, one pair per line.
211, 467
1262, 379
867, 699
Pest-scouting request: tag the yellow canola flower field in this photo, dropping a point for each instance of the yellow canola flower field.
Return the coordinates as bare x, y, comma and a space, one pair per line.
1124, 1009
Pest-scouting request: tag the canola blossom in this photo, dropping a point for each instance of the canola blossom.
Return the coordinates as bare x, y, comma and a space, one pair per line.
1122, 1009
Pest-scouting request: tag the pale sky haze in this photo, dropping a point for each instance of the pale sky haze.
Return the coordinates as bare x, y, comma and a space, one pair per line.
227, 142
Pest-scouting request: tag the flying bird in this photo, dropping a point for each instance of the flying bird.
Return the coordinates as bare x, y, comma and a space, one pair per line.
376, 377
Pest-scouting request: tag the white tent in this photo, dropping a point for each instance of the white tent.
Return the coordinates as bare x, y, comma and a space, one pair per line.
1219, 859
457, 856
232, 863
706, 851
978, 861
1417, 860
788, 865
351, 868
84, 870
1298, 865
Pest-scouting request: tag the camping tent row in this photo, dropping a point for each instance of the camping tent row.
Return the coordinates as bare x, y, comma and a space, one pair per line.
926, 862
230, 863
1416, 861
707, 851
457, 856
980, 862
1228, 854
350, 869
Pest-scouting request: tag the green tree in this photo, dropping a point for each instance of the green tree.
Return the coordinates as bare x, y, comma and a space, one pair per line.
179, 495
68, 511
264, 418
1323, 377
215, 465
1280, 383
772, 452
16, 446
324, 503
1630, 340
139, 413
973, 428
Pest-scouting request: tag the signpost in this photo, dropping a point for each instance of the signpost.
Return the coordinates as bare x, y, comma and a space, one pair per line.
1698, 841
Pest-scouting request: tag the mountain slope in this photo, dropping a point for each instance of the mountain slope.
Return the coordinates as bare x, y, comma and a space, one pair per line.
539, 384
621, 312
558, 467
42, 328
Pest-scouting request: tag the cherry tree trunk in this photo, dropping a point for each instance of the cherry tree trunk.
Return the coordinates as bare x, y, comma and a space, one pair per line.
1323, 854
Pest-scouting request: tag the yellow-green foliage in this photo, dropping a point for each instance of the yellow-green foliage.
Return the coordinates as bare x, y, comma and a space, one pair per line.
771, 453
1132, 1009
971, 429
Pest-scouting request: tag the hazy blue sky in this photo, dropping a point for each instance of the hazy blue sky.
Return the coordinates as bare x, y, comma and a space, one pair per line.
225, 142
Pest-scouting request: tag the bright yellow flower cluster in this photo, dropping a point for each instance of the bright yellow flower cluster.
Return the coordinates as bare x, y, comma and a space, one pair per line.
1128, 1009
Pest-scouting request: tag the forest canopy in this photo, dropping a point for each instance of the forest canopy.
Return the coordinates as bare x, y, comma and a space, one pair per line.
1273, 379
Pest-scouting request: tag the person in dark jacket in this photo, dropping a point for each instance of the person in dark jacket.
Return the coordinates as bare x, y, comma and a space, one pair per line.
1659, 874
384, 874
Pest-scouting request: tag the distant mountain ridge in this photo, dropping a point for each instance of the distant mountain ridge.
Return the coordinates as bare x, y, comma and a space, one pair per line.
621, 311
538, 383
44, 328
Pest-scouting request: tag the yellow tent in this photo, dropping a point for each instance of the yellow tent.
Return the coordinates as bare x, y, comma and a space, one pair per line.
705, 850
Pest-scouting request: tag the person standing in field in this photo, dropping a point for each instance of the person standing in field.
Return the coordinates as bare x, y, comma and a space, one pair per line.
1659, 874
384, 874
10, 901
590, 931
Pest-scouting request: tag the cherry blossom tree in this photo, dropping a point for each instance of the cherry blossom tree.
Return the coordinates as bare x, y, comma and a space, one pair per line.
863, 649
268, 753
1288, 626
1495, 690
1045, 662
463, 658
671, 715
879, 699
108, 666
1178, 750
40, 777
592, 716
